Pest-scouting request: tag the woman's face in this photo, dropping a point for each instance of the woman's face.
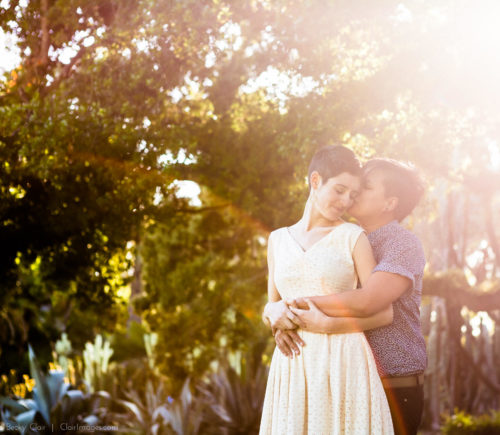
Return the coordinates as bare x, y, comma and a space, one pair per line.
333, 197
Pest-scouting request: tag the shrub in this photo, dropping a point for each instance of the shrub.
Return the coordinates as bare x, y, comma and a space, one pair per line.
234, 395
463, 423
54, 404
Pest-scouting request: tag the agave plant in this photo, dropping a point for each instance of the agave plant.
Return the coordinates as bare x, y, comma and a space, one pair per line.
186, 413
54, 406
152, 411
144, 413
234, 396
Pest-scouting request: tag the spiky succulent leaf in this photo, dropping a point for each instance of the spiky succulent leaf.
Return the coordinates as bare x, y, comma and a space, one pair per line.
41, 392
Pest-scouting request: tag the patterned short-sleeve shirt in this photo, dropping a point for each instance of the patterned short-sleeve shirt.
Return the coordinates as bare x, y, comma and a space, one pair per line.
399, 348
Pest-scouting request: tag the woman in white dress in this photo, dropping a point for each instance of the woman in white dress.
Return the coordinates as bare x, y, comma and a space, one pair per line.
332, 386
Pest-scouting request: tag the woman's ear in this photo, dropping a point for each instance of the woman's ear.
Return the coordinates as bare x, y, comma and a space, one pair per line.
315, 180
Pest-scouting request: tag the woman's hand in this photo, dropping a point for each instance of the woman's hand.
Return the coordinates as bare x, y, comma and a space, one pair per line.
288, 342
279, 315
311, 319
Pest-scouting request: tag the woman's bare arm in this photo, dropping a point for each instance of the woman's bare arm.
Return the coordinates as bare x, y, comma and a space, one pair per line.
276, 312
364, 261
287, 340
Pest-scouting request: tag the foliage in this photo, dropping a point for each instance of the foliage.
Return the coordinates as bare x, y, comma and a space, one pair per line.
135, 395
209, 273
228, 401
138, 398
155, 412
62, 352
463, 423
235, 395
150, 342
145, 413
75, 185
9, 385
96, 361
53, 403
186, 412
127, 342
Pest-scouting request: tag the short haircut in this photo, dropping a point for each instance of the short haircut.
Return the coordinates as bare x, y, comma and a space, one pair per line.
401, 180
333, 160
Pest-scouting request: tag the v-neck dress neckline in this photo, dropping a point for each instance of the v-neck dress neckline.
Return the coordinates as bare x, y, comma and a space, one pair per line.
317, 242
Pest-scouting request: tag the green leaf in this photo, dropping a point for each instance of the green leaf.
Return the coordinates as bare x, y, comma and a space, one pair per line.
133, 408
14, 405
56, 385
26, 418
42, 394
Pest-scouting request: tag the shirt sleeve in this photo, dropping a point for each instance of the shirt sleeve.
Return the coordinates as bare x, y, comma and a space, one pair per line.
405, 259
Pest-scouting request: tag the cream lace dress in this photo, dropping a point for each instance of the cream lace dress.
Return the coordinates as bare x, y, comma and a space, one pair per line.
333, 386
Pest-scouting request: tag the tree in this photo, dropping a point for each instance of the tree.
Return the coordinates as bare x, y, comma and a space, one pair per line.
80, 166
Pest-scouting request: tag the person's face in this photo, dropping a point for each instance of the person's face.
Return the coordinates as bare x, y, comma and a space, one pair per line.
371, 201
333, 197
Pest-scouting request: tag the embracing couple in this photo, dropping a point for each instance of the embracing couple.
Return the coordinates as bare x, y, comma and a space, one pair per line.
344, 304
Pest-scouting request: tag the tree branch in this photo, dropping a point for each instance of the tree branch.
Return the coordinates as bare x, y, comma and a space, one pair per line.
43, 56
476, 367
454, 287
203, 209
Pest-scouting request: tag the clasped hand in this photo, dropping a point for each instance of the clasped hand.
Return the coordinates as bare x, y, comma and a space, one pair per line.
285, 316
280, 316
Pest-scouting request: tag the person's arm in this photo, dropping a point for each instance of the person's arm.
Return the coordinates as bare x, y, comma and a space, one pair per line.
364, 261
379, 289
314, 320
382, 288
276, 312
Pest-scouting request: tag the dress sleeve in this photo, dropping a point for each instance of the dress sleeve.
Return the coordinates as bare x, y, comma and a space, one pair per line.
405, 259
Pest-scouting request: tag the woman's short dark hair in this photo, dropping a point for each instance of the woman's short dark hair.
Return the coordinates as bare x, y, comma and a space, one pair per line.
401, 180
333, 160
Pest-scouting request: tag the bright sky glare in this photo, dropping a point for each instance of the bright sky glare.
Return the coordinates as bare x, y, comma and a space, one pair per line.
10, 55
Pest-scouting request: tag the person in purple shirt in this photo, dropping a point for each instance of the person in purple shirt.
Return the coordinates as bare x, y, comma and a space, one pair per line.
390, 192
